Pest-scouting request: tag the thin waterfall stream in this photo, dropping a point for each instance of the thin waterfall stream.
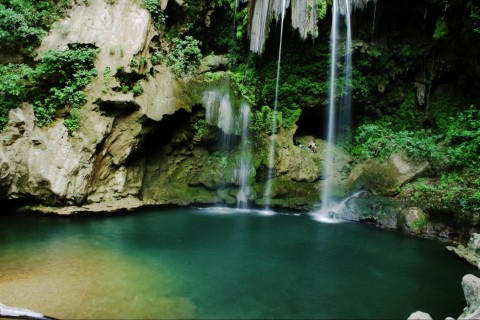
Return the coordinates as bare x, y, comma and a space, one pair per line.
244, 169
327, 167
337, 124
273, 138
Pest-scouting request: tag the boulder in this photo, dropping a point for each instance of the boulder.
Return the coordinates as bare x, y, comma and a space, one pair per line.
419, 315
471, 289
385, 177
367, 207
412, 220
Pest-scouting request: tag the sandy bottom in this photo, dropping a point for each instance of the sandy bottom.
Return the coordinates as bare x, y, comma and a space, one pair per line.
68, 279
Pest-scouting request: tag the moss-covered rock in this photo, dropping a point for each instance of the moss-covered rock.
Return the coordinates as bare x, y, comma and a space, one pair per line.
412, 220
385, 177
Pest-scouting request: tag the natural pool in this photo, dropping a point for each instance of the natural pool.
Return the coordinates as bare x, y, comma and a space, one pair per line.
217, 264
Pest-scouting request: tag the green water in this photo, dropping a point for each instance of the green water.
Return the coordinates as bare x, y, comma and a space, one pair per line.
194, 263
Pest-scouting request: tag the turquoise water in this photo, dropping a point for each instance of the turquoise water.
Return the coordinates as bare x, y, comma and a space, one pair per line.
199, 263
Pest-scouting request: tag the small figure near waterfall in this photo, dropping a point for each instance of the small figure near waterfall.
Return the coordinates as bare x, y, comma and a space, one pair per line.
311, 146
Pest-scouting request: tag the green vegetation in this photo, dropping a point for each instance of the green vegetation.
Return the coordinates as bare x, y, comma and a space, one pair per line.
453, 154
24, 22
67, 73
56, 83
14, 82
185, 56
441, 29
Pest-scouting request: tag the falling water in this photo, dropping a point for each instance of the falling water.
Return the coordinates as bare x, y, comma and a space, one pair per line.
374, 16
328, 162
273, 138
341, 125
345, 117
218, 104
243, 171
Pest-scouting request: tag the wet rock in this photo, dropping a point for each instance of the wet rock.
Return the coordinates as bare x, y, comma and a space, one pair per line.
6, 311
381, 210
471, 253
385, 178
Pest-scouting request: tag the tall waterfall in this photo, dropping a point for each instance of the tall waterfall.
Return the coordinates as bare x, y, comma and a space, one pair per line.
342, 122
273, 138
244, 170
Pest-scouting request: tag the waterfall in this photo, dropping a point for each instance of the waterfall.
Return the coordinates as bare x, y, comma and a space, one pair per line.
327, 167
218, 106
345, 117
223, 111
243, 171
336, 126
273, 138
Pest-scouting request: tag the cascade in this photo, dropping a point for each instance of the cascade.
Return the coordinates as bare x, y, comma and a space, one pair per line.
273, 138
218, 104
243, 171
220, 111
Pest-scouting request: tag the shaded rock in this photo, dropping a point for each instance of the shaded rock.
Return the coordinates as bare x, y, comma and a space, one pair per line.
419, 315
124, 204
471, 253
385, 178
471, 289
381, 210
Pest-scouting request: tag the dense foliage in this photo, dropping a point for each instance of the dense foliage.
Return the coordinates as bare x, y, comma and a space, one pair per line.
57, 83
24, 22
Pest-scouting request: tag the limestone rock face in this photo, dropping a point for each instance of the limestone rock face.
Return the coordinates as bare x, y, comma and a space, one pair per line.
48, 163
471, 289
121, 30
419, 315
161, 95
385, 178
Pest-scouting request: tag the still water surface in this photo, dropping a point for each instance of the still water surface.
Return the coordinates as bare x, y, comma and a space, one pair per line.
199, 263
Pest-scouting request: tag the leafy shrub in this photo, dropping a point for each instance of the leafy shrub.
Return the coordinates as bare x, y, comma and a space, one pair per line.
159, 17
137, 90
380, 140
185, 56
24, 22
66, 73
14, 79
441, 29
72, 123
